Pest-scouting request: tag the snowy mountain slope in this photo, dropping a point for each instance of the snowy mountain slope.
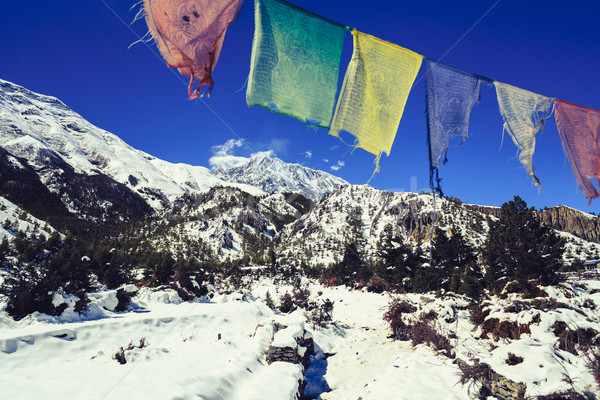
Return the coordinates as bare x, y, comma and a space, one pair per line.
562, 218
43, 130
228, 223
13, 219
362, 214
21, 184
273, 175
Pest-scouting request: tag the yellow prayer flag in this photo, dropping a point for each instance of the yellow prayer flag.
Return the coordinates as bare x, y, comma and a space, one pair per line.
376, 86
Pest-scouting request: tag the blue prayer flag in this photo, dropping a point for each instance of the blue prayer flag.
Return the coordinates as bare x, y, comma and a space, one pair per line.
450, 96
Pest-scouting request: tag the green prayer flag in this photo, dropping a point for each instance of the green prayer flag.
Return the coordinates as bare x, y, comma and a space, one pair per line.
295, 62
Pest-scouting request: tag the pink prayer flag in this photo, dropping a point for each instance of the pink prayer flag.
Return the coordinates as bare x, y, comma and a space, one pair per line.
579, 130
190, 33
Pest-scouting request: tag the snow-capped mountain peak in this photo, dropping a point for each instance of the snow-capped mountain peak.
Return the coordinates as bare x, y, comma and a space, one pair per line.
271, 174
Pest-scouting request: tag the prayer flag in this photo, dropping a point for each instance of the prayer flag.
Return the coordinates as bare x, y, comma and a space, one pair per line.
524, 113
295, 62
376, 86
579, 130
451, 94
190, 34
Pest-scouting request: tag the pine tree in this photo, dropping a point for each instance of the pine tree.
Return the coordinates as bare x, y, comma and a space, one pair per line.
519, 248
351, 268
354, 221
425, 279
450, 257
470, 281
398, 260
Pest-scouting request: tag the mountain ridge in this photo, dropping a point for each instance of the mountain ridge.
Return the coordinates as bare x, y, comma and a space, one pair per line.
285, 177
265, 205
43, 130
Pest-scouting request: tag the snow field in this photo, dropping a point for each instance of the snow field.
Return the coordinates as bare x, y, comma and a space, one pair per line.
363, 361
216, 349
184, 357
544, 367
368, 364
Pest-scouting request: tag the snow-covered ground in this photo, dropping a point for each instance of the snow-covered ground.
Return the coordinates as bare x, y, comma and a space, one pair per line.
44, 358
366, 363
215, 349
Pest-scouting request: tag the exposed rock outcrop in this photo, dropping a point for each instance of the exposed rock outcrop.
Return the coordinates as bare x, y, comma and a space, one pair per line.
566, 219
487, 210
493, 383
291, 344
583, 225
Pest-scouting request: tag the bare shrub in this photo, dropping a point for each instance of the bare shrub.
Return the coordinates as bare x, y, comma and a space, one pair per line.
472, 373
478, 315
393, 316
377, 285
549, 304
516, 307
569, 340
592, 357
589, 303
321, 315
299, 298
428, 316
423, 332
568, 395
286, 303
513, 359
514, 287
535, 290
120, 354
503, 329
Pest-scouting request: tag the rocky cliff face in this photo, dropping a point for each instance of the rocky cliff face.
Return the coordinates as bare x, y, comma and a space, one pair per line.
487, 210
566, 219
583, 225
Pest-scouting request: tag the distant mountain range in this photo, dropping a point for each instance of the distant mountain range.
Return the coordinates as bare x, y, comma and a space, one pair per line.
56, 166
273, 175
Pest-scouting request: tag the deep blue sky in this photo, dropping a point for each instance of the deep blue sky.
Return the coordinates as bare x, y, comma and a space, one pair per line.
78, 52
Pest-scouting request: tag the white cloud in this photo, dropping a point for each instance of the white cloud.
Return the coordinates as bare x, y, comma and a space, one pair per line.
337, 166
308, 154
225, 148
279, 146
268, 154
326, 160
223, 155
